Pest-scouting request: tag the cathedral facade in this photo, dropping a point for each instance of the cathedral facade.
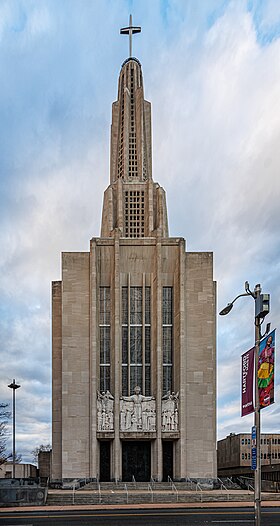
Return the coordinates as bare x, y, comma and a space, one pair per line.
134, 329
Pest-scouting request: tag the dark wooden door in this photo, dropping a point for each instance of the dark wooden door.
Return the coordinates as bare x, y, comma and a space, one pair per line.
105, 461
167, 460
136, 461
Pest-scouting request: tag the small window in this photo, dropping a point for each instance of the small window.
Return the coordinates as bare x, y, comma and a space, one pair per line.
264, 456
249, 456
261, 455
245, 456
242, 456
245, 441
261, 440
249, 441
264, 440
242, 441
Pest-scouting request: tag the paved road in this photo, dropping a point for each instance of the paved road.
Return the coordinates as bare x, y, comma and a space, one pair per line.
149, 517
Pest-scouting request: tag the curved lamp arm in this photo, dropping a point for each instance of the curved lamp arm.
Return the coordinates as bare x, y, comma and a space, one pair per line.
229, 306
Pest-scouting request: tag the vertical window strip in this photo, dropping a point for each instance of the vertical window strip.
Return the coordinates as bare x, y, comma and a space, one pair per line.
104, 337
147, 341
121, 145
132, 358
167, 338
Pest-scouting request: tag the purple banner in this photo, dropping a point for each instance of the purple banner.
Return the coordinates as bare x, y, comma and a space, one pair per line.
247, 405
266, 370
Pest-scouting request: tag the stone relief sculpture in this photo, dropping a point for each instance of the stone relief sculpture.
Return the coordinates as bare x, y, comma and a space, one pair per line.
169, 411
105, 411
138, 412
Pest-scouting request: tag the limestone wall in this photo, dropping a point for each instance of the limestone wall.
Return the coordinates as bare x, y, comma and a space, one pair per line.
75, 365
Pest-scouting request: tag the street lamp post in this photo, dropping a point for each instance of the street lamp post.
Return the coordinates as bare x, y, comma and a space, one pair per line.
14, 386
261, 310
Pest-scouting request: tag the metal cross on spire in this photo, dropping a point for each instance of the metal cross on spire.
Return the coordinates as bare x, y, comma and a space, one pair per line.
130, 30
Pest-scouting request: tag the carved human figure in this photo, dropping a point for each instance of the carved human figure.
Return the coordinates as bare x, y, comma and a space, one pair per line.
133, 419
105, 407
170, 411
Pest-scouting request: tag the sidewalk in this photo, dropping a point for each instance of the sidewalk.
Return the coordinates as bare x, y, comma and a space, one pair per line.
205, 505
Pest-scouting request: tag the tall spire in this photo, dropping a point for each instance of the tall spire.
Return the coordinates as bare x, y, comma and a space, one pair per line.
134, 206
131, 149
130, 30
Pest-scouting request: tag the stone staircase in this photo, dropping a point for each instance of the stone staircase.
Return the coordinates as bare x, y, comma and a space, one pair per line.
144, 493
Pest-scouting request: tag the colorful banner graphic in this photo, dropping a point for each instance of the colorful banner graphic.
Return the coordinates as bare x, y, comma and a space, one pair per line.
266, 370
247, 380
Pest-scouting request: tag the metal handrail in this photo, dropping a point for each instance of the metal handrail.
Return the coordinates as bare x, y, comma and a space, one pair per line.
134, 480
99, 493
200, 489
151, 490
75, 482
222, 485
153, 482
173, 487
230, 480
169, 479
125, 488
247, 484
190, 482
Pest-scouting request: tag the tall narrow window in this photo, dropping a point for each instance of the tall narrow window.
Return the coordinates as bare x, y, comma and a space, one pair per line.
136, 340
132, 152
121, 137
104, 337
167, 338
147, 341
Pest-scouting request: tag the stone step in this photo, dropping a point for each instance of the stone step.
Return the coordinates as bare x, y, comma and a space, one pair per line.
137, 486
137, 497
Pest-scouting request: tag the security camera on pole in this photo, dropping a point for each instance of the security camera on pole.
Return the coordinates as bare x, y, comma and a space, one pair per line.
261, 310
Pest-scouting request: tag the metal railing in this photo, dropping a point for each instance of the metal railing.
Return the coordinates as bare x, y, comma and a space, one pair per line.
198, 487
151, 490
76, 485
134, 481
173, 487
245, 481
99, 493
169, 479
223, 487
230, 481
126, 490
190, 481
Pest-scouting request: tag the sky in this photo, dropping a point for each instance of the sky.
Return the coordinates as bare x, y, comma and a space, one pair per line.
212, 73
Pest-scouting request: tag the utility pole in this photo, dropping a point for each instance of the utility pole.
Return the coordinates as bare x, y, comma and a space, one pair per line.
14, 386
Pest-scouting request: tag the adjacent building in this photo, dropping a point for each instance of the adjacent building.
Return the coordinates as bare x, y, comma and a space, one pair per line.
234, 455
22, 471
134, 328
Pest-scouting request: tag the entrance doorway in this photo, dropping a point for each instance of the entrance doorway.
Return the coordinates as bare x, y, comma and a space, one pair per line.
105, 461
136, 461
167, 460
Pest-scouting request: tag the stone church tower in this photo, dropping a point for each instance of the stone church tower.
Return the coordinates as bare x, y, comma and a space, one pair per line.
134, 329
